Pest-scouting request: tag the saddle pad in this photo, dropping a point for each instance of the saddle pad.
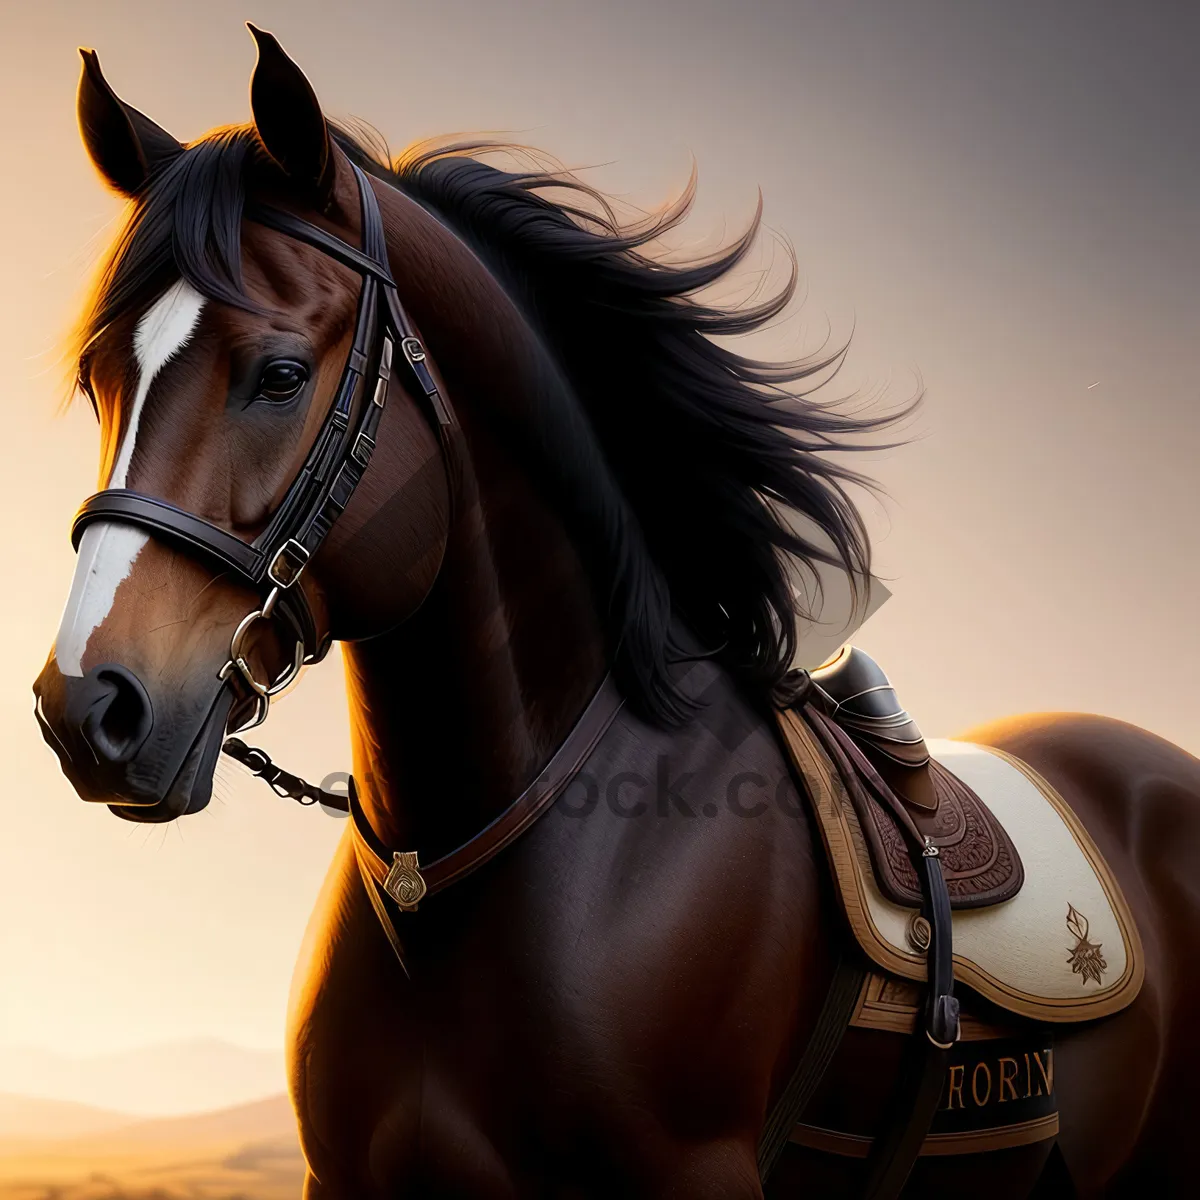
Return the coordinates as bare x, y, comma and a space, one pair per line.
1065, 948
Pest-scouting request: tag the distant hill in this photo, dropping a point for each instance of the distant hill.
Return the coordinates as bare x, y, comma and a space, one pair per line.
171, 1078
262, 1119
247, 1151
23, 1117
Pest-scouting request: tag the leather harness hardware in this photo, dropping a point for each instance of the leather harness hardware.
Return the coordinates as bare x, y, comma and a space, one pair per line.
399, 873
404, 881
274, 563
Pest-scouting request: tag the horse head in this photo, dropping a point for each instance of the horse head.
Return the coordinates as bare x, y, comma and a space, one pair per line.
213, 356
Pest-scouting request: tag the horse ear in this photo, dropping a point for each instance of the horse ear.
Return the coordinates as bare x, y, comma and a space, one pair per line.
124, 144
289, 120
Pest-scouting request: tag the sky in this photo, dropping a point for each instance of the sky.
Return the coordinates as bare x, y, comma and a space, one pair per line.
1001, 202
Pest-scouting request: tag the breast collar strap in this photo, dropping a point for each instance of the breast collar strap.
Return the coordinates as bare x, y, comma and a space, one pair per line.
274, 562
399, 873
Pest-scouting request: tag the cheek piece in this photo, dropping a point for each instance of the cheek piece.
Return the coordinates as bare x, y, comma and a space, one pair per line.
274, 562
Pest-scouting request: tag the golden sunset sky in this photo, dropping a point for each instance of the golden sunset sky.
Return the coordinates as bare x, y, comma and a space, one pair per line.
1001, 200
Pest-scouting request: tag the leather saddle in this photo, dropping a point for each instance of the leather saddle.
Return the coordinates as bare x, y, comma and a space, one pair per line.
900, 792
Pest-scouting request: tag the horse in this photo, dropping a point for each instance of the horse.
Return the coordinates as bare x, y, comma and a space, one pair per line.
576, 496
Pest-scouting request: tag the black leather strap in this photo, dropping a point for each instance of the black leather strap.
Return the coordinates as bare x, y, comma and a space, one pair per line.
918, 1089
923, 1071
941, 1007
161, 517
907, 1120
826, 1037
367, 261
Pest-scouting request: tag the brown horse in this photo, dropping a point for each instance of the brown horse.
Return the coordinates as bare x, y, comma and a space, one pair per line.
611, 1006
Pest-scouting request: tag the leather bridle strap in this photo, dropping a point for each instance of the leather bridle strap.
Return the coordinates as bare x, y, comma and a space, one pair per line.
400, 874
335, 465
367, 262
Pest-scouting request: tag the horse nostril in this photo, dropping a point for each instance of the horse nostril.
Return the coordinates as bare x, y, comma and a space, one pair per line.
118, 716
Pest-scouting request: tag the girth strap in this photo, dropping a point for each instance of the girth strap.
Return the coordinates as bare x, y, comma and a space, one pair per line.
823, 1043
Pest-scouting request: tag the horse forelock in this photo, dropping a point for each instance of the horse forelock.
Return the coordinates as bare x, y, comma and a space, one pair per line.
186, 224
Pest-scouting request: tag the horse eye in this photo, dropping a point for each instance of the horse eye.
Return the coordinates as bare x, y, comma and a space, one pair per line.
281, 380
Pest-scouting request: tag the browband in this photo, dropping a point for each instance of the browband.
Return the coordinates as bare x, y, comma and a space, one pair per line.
314, 235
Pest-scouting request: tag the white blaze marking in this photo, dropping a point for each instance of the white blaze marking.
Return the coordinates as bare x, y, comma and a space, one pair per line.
108, 549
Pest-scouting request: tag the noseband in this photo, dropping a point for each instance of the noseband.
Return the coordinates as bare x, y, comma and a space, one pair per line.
273, 563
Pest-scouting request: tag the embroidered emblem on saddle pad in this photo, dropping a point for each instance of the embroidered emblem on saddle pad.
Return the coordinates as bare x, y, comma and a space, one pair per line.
1085, 957
1064, 948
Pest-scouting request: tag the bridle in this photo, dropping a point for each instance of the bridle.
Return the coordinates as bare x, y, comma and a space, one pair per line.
273, 563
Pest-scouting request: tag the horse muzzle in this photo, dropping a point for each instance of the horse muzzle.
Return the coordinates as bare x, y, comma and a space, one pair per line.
150, 759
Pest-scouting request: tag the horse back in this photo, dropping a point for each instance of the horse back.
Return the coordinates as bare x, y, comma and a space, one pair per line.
1126, 1084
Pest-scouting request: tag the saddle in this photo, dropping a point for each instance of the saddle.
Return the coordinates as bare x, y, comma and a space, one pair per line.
935, 893
856, 715
1042, 931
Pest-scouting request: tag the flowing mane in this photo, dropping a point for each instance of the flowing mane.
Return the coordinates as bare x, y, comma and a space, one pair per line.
702, 450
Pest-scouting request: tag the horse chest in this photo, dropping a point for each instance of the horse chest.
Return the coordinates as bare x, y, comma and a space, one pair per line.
593, 987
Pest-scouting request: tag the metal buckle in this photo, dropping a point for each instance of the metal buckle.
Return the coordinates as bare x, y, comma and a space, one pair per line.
413, 350
364, 444
286, 566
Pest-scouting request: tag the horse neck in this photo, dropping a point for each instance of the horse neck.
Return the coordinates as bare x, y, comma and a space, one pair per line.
454, 713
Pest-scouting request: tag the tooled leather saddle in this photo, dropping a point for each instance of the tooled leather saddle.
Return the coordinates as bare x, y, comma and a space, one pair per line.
854, 711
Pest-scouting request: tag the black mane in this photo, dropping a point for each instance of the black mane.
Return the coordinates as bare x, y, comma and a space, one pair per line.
702, 448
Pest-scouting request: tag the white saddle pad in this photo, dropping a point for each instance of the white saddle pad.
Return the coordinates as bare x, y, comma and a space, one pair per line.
1065, 948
